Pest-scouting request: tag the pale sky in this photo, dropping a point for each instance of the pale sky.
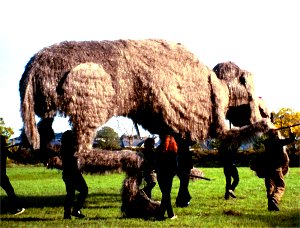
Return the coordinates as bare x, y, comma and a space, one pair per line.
260, 36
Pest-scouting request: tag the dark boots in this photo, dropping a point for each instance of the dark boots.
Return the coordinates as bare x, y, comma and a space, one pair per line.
75, 213
272, 205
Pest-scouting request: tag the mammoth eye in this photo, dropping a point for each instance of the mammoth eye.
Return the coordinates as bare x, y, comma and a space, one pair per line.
242, 80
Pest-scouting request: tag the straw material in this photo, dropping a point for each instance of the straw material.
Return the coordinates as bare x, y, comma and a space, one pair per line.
158, 84
135, 202
196, 172
246, 134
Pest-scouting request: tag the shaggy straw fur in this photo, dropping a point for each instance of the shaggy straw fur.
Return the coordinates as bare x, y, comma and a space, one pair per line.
135, 202
196, 172
235, 137
158, 84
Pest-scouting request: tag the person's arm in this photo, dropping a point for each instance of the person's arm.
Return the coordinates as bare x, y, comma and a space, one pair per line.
289, 140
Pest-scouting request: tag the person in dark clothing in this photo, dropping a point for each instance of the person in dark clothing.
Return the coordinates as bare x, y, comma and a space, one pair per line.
277, 161
72, 177
5, 182
149, 166
228, 152
185, 164
166, 170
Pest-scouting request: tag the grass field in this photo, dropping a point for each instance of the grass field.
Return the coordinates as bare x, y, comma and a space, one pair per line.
42, 192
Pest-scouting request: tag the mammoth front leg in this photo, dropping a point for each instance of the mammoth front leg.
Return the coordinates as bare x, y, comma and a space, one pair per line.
84, 139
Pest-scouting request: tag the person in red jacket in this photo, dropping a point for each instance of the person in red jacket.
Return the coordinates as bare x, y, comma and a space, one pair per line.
166, 170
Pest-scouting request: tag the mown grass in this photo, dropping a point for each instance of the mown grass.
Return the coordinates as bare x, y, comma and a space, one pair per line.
42, 192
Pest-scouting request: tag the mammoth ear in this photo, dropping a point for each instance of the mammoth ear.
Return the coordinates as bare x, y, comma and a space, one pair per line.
242, 79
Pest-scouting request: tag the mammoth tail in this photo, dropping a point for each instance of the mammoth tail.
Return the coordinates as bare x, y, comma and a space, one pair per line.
27, 108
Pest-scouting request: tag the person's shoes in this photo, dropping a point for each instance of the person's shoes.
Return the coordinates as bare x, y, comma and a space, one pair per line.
173, 217
78, 214
18, 211
272, 205
67, 215
231, 193
181, 204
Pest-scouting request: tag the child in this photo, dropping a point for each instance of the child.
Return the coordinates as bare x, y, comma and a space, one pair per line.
72, 177
149, 167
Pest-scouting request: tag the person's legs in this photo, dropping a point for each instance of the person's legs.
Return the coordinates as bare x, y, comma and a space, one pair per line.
183, 196
235, 176
13, 199
168, 197
69, 199
279, 185
8, 188
165, 185
82, 188
270, 189
227, 173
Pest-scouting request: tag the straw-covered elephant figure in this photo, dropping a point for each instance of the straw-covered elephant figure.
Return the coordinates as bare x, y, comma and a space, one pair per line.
158, 84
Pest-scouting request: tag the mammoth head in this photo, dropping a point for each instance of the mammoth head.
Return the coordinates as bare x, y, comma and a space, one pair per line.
243, 107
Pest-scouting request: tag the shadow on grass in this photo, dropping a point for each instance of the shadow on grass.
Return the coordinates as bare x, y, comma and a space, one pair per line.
58, 201
28, 219
290, 218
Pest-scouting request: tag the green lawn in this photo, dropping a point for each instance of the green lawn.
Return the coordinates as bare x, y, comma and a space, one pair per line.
42, 192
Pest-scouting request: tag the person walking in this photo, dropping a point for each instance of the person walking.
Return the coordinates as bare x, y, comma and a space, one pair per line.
228, 151
149, 166
276, 166
72, 177
5, 182
166, 170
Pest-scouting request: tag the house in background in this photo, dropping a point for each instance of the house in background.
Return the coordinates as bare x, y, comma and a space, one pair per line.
131, 141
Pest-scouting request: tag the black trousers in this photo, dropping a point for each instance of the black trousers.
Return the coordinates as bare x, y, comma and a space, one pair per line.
6, 185
165, 181
183, 196
231, 172
8, 188
75, 183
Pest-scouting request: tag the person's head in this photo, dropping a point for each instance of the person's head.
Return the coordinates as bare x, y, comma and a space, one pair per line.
273, 134
169, 144
149, 143
68, 142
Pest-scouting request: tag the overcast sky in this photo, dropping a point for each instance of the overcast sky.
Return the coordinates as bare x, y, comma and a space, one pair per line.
259, 36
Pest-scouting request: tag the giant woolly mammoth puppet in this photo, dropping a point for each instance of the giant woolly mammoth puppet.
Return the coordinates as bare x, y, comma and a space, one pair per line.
158, 84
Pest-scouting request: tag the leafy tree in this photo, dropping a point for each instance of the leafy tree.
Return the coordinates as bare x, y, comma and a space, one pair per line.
287, 117
107, 138
7, 131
